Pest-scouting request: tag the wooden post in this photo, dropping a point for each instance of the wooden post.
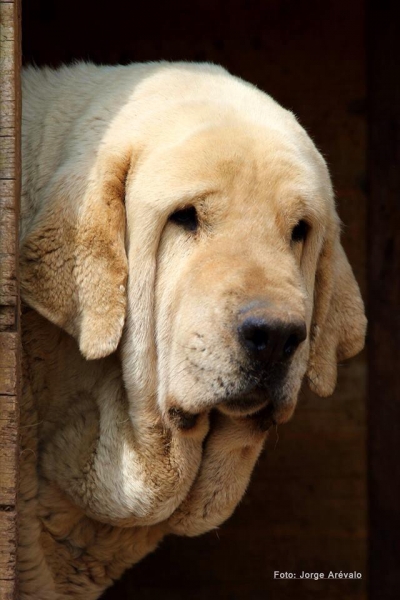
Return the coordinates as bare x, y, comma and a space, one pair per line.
10, 118
384, 298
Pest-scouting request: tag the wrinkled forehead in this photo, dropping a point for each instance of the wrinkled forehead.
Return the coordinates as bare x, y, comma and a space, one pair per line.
238, 161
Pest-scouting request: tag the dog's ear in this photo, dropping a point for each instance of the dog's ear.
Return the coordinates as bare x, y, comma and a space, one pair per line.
339, 323
73, 265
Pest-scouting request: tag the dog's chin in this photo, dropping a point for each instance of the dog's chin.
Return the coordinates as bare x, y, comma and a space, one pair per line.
269, 407
262, 417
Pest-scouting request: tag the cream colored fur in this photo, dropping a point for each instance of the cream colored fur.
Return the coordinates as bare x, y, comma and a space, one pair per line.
130, 321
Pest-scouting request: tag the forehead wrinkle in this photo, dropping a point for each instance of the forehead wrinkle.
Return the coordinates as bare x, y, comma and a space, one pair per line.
255, 171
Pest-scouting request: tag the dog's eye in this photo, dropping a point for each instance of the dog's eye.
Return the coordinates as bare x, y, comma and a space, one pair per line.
186, 218
299, 232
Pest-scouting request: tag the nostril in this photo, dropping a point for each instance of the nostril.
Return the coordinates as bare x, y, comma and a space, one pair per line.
254, 335
297, 336
257, 338
290, 345
270, 339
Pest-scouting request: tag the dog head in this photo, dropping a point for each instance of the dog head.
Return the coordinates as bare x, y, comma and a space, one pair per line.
205, 243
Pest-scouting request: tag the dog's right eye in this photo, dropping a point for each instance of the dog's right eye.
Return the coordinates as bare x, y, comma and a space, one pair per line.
299, 233
186, 218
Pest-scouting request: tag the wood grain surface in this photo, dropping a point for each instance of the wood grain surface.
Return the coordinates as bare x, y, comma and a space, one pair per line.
10, 116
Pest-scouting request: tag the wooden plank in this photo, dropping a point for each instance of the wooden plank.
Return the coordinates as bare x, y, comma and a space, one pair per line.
384, 298
8, 449
7, 155
8, 242
8, 520
7, 590
10, 116
9, 284
7, 318
9, 354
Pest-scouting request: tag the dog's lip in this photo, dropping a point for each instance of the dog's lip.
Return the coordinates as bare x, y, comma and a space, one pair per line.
244, 404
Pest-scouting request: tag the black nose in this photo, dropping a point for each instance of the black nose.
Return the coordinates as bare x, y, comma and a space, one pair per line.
271, 339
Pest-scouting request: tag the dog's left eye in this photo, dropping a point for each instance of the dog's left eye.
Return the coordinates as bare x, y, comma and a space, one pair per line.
299, 232
186, 217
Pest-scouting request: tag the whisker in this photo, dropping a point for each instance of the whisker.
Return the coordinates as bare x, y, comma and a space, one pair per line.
276, 437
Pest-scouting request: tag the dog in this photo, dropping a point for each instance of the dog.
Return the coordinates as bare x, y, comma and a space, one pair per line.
181, 274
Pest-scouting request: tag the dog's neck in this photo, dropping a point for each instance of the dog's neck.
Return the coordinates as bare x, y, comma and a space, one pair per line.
58, 393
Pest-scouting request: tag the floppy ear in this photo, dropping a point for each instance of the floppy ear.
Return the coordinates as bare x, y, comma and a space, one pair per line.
339, 323
73, 265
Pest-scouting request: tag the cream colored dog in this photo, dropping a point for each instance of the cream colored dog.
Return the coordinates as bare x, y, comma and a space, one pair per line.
181, 261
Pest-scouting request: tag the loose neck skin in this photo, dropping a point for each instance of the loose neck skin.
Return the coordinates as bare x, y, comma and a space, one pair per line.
57, 538
120, 465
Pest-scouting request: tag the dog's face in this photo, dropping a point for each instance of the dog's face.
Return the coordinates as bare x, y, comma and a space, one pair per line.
247, 221
237, 283
235, 272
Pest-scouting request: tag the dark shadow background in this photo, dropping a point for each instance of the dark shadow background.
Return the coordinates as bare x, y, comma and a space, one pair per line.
306, 505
